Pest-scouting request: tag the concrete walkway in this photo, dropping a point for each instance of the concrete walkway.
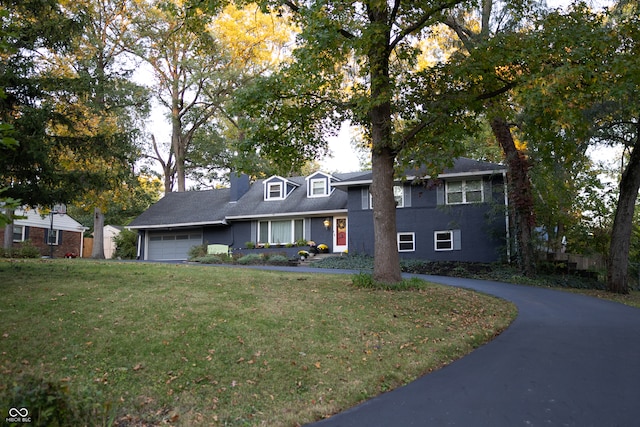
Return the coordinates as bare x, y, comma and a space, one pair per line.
567, 360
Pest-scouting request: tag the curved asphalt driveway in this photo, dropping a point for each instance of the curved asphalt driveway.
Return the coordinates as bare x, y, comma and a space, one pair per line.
567, 360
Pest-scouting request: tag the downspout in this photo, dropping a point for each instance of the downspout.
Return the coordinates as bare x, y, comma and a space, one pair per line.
139, 245
506, 215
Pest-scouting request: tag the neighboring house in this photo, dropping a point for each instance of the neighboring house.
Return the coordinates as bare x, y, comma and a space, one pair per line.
63, 236
109, 233
459, 216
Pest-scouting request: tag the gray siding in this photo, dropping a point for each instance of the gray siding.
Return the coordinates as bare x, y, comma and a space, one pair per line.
479, 229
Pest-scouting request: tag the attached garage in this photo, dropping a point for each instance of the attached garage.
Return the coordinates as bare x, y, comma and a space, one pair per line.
172, 245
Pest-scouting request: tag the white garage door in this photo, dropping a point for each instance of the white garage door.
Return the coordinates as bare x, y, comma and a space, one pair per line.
172, 245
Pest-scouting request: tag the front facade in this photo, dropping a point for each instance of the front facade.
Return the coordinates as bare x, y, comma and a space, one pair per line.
57, 235
459, 217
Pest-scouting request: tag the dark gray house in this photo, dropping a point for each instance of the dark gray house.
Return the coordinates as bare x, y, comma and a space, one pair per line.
459, 216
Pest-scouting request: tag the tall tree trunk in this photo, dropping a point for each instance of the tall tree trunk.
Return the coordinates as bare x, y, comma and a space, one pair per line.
520, 195
387, 260
8, 230
98, 234
618, 275
177, 143
179, 151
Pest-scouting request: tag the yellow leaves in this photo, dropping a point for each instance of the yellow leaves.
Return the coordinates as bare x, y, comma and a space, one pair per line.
248, 35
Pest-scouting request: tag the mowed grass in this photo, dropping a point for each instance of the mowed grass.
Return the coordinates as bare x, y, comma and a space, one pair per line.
196, 345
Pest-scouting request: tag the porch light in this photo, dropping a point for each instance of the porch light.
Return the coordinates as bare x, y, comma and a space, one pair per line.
327, 223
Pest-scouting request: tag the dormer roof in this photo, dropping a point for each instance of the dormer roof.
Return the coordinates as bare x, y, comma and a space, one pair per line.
278, 188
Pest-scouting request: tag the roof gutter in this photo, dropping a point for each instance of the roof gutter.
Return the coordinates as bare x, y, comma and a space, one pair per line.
176, 225
288, 214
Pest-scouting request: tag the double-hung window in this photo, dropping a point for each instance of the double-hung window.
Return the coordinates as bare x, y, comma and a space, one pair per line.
274, 191
318, 187
406, 242
53, 236
18, 233
280, 231
398, 195
469, 191
447, 240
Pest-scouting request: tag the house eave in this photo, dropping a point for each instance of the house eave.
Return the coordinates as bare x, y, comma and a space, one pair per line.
288, 214
413, 177
466, 174
176, 225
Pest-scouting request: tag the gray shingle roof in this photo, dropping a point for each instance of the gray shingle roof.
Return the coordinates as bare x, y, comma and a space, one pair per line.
461, 165
252, 204
185, 208
214, 207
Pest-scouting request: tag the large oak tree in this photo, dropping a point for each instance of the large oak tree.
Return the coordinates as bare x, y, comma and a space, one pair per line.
355, 60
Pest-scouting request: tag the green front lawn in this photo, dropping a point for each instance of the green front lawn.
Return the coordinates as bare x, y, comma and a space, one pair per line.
145, 344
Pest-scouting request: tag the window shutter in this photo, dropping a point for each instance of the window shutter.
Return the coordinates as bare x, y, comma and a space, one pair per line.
60, 233
254, 231
457, 240
26, 232
407, 195
307, 229
440, 190
365, 198
487, 190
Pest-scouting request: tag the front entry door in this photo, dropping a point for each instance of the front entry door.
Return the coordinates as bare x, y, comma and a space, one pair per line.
340, 234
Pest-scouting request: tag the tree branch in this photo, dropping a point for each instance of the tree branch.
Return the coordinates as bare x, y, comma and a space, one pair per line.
500, 91
421, 22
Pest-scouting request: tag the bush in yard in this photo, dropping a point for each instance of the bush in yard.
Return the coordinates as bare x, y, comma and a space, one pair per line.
126, 244
197, 251
278, 260
208, 259
27, 250
251, 259
54, 404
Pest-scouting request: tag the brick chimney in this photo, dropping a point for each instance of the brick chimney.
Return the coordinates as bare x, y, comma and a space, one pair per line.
239, 185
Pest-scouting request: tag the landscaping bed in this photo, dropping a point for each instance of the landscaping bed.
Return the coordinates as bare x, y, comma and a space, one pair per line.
548, 275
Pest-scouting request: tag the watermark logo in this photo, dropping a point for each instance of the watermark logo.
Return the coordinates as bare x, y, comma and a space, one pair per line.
18, 415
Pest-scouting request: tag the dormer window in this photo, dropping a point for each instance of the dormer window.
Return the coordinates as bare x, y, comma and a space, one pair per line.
278, 188
274, 191
319, 185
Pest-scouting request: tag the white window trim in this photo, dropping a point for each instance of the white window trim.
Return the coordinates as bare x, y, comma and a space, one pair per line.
267, 190
325, 186
436, 241
57, 238
464, 191
413, 241
398, 205
22, 230
293, 229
